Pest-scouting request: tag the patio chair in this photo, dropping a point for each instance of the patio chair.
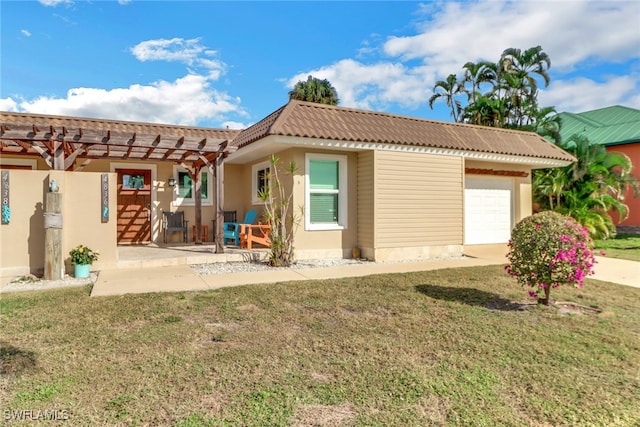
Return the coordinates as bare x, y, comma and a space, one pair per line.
229, 216
250, 234
174, 221
232, 229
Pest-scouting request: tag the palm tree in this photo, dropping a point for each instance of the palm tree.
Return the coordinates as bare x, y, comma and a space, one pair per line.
477, 74
520, 69
544, 121
449, 89
315, 90
589, 188
487, 110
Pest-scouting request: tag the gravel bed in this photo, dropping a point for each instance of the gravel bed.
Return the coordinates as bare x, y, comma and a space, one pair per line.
244, 267
33, 283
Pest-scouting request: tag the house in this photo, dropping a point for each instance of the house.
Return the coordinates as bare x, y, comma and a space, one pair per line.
618, 128
396, 187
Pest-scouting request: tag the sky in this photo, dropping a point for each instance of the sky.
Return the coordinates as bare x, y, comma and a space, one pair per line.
229, 64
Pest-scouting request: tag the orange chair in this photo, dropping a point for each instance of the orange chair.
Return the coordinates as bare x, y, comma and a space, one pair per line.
255, 233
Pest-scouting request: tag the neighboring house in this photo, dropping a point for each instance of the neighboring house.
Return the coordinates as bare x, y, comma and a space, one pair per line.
394, 186
618, 128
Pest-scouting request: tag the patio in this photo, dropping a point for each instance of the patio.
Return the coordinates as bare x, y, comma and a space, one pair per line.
150, 256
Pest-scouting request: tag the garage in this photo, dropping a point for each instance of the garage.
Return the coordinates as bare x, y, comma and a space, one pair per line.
488, 207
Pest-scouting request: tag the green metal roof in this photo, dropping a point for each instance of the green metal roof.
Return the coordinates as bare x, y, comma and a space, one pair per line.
609, 126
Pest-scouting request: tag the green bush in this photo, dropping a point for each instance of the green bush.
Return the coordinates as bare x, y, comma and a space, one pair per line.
83, 255
547, 250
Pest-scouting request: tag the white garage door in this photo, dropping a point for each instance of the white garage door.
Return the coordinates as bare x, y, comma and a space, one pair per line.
488, 210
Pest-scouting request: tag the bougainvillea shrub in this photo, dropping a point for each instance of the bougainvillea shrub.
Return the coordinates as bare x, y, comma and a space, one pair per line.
547, 250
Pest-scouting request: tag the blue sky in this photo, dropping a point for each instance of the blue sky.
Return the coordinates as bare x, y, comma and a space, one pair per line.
219, 64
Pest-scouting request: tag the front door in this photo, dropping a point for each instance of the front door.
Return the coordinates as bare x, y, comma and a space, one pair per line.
134, 206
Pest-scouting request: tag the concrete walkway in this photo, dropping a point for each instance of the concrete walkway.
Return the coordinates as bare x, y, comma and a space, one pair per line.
177, 278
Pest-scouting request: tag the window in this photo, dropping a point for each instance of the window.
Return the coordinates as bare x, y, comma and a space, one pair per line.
132, 182
326, 192
259, 181
184, 189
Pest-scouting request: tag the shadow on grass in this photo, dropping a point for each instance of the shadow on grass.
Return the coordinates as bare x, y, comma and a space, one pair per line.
471, 296
14, 360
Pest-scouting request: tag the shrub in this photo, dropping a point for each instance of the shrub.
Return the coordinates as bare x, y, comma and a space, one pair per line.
547, 250
279, 214
83, 255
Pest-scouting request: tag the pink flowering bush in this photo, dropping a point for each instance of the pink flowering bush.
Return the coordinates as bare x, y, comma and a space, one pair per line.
547, 250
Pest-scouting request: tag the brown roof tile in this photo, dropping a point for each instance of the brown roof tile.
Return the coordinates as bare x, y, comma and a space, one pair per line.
311, 120
115, 125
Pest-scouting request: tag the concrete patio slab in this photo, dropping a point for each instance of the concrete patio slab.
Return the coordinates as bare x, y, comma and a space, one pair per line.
216, 281
172, 278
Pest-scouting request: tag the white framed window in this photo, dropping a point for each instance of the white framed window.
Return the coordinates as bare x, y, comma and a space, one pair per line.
259, 180
325, 192
184, 191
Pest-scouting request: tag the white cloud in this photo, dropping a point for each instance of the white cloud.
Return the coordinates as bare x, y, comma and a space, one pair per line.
569, 32
25, 33
186, 101
8, 104
187, 51
449, 34
582, 94
235, 125
370, 86
53, 3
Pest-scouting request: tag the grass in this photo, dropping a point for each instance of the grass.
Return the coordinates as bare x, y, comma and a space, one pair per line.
623, 246
445, 347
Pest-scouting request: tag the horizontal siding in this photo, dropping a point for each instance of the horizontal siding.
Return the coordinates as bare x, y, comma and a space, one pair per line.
366, 195
419, 200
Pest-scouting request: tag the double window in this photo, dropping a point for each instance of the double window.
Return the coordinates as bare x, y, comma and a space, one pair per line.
184, 192
326, 192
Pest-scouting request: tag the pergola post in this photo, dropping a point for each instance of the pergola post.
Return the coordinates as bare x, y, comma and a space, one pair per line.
219, 231
197, 187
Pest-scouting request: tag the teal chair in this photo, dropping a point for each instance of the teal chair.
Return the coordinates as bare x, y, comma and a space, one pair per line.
232, 229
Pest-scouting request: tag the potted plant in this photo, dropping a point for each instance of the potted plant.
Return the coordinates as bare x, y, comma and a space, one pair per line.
82, 257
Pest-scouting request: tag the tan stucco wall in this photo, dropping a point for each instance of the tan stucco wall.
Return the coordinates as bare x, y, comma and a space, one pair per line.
308, 243
162, 195
237, 189
325, 243
22, 240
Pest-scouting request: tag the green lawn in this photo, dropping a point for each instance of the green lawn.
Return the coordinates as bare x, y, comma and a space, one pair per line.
446, 347
623, 246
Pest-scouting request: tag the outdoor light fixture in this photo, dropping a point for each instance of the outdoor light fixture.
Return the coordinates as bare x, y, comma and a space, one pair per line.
171, 181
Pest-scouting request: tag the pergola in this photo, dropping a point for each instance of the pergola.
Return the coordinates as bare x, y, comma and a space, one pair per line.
61, 141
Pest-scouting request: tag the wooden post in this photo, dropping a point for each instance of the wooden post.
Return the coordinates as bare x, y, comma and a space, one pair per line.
197, 187
219, 231
53, 259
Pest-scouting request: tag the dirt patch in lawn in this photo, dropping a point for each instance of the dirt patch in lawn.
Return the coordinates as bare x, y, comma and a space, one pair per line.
571, 308
323, 415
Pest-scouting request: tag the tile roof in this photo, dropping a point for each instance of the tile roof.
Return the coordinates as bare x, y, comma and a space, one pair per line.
22, 133
609, 126
115, 125
312, 120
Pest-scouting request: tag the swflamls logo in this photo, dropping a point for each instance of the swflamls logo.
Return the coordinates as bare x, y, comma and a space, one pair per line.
36, 415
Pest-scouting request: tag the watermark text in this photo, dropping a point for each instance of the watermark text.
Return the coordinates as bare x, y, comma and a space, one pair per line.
36, 415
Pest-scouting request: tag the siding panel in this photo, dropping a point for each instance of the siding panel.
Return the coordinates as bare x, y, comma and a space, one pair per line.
366, 197
419, 200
